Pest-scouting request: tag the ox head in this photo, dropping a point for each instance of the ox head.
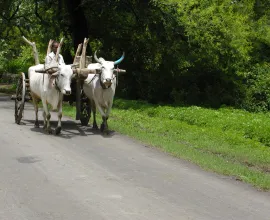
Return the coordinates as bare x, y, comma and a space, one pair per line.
107, 69
60, 76
63, 78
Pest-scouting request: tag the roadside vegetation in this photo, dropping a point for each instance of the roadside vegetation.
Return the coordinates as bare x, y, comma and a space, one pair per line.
195, 56
227, 141
7, 88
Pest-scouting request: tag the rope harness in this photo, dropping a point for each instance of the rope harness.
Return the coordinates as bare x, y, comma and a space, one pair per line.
102, 84
55, 80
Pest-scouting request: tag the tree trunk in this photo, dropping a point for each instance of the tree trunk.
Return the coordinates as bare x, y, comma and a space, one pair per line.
78, 22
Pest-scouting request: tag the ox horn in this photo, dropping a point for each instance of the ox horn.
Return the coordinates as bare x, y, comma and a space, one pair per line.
95, 57
120, 59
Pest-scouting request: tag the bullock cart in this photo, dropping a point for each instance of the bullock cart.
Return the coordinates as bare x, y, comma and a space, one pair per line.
96, 91
83, 108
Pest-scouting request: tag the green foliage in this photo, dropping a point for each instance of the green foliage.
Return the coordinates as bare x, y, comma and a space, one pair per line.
208, 53
8, 89
22, 62
245, 124
228, 141
236, 138
257, 96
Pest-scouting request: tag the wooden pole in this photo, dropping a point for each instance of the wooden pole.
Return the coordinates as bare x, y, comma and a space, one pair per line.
79, 82
79, 48
49, 46
58, 50
82, 60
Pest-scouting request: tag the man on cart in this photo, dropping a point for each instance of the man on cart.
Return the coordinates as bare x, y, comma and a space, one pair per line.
50, 62
52, 54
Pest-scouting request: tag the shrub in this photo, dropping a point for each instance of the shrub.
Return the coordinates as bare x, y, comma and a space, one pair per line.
257, 96
20, 63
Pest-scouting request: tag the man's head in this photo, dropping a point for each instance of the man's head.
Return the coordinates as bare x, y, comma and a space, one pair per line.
55, 45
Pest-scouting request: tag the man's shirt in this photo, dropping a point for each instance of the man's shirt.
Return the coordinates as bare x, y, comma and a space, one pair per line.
51, 56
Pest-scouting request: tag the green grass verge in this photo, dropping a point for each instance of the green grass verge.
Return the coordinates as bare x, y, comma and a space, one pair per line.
7, 88
227, 141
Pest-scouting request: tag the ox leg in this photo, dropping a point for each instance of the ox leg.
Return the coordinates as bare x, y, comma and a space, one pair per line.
35, 102
45, 121
59, 125
104, 125
103, 115
105, 119
94, 109
47, 117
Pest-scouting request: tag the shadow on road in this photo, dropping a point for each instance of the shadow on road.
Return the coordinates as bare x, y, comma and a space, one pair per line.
70, 129
4, 97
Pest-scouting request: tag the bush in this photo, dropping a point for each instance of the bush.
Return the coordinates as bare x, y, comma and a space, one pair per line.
20, 63
257, 82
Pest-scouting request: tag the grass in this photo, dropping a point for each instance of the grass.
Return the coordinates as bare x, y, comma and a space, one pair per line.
227, 141
7, 88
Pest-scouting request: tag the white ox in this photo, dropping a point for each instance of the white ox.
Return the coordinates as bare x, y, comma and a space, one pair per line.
49, 90
100, 88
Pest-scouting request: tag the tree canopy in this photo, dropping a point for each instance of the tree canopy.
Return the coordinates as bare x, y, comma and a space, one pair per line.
202, 52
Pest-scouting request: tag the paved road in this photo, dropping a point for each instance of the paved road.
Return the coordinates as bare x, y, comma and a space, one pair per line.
85, 176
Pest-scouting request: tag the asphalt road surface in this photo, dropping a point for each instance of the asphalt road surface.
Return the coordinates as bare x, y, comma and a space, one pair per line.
81, 175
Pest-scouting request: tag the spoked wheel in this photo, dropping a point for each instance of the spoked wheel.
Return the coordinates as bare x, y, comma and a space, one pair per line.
85, 110
20, 99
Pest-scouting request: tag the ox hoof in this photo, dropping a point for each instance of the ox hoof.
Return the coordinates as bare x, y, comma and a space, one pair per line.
49, 130
102, 127
58, 130
36, 125
106, 132
95, 126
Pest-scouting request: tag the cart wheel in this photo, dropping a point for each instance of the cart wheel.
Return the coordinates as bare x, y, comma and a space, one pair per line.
85, 110
20, 99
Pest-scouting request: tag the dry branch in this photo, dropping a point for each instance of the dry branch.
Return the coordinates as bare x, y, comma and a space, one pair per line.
34, 50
